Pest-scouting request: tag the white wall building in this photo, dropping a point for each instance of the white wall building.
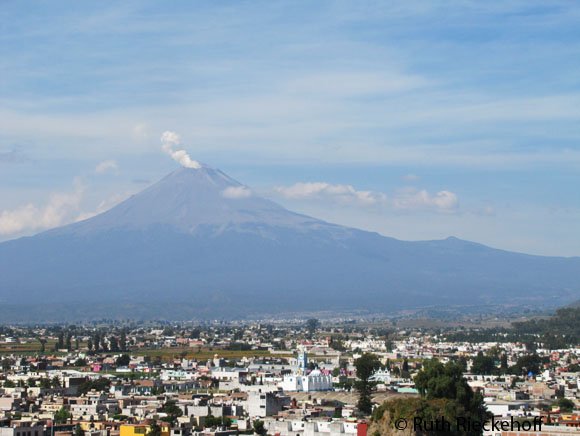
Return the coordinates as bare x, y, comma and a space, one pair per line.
303, 381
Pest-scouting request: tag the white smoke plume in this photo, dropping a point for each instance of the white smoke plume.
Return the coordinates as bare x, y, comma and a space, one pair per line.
171, 139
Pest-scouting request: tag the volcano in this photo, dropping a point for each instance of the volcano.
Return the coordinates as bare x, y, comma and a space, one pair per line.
200, 244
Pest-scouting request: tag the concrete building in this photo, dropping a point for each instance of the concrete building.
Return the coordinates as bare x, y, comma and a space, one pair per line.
22, 430
262, 404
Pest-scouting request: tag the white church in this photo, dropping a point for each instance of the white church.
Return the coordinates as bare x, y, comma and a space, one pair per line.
303, 381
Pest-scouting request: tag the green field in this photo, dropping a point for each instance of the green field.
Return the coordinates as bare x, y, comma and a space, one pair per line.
204, 353
28, 348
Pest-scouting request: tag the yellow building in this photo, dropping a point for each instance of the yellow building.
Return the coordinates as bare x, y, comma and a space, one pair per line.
92, 425
142, 429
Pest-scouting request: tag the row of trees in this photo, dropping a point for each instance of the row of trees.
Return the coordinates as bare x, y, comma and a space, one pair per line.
486, 364
70, 340
46, 383
101, 342
561, 330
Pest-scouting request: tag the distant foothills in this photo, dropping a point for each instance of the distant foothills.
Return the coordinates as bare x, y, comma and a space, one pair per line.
201, 245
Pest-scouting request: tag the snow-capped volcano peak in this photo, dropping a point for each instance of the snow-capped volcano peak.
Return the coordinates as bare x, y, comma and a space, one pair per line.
188, 198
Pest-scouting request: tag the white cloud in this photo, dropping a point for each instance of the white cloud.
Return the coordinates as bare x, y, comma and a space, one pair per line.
107, 166
411, 178
235, 192
341, 193
406, 199
60, 209
140, 132
169, 140
355, 83
103, 206
414, 199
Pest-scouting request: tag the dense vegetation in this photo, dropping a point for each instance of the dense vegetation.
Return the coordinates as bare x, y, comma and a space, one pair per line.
565, 324
559, 331
444, 393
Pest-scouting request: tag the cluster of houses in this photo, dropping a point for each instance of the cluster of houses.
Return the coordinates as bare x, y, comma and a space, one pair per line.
300, 386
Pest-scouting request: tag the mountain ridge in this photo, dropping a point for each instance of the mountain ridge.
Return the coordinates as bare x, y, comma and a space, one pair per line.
206, 242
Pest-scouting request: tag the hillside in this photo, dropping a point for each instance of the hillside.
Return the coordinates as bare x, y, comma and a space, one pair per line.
200, 244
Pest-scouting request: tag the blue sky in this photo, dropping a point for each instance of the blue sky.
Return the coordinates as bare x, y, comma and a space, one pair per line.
418, 120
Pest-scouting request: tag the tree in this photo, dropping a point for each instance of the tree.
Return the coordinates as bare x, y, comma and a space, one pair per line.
55, 382
100, 384
311, 325
6, 364
462, 362
530, 363
438, 381
80, 362
123, 341
97, 341
337, 344
217, 421
79, 431
195, 333
157, 390
104, 345
531, 346
59, 342
366, 365
503, 366
566, 405
123, 360
172, 411
154, 429
62, 416
114, 344
259, 427
405, 369
482, 364
42, 344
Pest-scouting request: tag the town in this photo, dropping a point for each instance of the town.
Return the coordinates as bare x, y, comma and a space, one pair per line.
307, 377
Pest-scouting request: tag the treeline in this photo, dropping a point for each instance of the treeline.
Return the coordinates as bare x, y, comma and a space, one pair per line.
561, 330
565, 323
70, 337
99, 341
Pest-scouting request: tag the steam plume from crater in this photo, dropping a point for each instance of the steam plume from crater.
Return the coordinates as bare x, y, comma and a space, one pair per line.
169, 140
